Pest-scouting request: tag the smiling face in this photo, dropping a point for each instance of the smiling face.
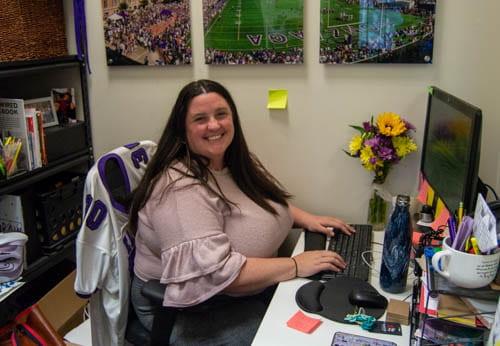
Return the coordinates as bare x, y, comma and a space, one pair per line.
209, 127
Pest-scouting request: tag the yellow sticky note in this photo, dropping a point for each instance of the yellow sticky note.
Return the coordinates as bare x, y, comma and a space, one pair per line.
439, 206
277, 99
430, 196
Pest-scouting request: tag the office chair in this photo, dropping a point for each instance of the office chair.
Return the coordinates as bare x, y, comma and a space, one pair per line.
105, 252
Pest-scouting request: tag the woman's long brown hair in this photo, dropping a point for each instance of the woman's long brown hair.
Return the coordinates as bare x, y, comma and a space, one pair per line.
247, 171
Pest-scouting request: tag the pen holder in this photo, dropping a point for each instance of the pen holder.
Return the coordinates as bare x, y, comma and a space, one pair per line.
465, 269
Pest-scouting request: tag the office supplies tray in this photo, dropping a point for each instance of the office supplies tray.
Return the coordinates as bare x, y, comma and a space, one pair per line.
439, 284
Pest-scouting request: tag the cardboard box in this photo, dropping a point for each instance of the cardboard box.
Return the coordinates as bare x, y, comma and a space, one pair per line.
62, 307
398, 311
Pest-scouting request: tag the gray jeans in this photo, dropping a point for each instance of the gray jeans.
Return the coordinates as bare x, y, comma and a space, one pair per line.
222, 320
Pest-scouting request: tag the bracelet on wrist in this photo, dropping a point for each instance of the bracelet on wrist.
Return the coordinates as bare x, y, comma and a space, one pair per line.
296, 267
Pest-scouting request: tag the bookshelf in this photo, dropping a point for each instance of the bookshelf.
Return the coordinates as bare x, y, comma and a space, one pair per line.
70, 152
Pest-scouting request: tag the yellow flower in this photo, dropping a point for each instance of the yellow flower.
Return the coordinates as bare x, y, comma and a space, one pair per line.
355, 144
403, 145
390, 124
368, 159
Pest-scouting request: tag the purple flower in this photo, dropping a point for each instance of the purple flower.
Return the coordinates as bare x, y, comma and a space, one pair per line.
382, 147
386, 153
368, 127
373, 142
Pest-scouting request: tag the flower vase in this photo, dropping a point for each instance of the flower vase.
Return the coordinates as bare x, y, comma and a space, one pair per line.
377, 211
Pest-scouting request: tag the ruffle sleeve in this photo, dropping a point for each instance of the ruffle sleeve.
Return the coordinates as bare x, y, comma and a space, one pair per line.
198, 269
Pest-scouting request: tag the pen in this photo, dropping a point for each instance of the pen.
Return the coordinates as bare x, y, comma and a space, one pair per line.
473, 241
467, 244
452, 228
2, 168
460, 212
13, 164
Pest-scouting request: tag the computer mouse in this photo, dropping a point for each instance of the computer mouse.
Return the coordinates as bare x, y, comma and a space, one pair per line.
367, 299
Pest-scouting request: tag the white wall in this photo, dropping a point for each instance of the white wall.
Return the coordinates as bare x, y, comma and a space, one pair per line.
302, 146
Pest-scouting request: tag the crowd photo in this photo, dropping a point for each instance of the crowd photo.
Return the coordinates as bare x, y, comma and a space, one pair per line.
148, 32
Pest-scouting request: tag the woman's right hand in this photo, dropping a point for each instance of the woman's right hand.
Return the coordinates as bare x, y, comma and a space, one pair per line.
312, 262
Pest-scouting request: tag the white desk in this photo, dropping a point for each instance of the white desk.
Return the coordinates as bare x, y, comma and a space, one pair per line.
273, 330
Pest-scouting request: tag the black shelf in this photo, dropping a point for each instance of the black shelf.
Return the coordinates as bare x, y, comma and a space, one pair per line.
31, 177
33, 79
13, 67
65, 252
441, 286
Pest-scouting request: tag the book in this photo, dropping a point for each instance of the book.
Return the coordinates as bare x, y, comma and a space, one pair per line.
13, 124
485, 309
41, 133
33, 139
428, 304
494, 338
444, 332
453, 309
11, 214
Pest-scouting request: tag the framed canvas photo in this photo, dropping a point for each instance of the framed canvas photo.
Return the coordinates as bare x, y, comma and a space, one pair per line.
64, 103
44, 105
381, 31
253, 32
148, 32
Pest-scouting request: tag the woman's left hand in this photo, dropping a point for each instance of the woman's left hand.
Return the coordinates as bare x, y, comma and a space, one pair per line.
320, 224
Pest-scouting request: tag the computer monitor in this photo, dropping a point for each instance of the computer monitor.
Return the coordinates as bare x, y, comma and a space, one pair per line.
451, 149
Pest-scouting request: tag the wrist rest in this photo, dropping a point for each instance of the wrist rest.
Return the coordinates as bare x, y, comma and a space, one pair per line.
331, 298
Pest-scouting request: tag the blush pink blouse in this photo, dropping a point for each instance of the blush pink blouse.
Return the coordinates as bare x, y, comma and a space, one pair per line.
190, 240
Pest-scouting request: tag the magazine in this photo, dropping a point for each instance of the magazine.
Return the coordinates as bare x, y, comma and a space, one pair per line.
13, 126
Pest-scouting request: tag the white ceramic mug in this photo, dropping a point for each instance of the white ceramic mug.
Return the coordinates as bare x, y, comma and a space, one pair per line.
465, 269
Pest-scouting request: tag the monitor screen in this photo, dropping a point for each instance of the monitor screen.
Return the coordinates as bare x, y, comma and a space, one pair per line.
451, 149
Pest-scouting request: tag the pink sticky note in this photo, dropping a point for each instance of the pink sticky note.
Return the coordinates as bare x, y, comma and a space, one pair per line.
303, 323
422, 191
441, 219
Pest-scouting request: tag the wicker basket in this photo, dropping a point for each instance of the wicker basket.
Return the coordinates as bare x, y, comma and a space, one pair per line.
31, 29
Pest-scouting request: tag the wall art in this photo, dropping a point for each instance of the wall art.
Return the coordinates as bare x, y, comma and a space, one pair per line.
147, 32
253, 31
377, 31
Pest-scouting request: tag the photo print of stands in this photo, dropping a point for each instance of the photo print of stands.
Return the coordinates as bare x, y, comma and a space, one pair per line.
377, 31
147, 32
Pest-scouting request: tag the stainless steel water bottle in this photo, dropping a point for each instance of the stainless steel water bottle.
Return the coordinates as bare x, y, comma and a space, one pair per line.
397, 246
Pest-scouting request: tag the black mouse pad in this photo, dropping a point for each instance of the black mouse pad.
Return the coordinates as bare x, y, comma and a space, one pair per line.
331, 298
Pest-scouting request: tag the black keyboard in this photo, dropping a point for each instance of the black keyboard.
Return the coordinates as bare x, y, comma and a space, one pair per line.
349, 247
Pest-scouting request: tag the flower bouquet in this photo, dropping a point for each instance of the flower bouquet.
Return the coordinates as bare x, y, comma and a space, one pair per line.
379, 146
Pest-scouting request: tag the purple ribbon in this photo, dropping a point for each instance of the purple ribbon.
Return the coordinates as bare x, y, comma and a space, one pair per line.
81, 31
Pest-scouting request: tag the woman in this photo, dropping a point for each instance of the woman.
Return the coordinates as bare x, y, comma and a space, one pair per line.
209, 220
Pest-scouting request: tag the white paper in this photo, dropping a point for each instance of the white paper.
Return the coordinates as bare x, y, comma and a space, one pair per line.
484, 226
7, 288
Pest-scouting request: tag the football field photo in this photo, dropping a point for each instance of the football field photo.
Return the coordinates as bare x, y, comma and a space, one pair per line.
253, 31
376, 31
